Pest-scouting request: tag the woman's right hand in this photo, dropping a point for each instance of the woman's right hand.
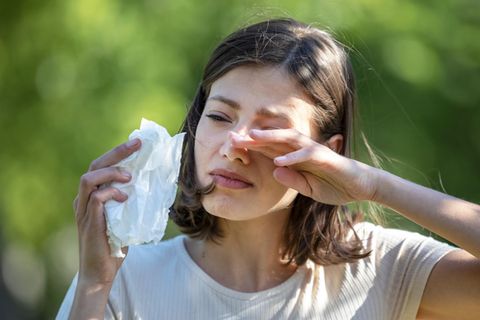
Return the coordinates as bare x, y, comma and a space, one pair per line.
97, 267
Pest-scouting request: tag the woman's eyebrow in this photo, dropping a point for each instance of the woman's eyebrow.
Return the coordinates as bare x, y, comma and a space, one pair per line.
227, 101
264, 112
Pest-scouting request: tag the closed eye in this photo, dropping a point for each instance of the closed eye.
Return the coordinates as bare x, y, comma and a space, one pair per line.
216, 117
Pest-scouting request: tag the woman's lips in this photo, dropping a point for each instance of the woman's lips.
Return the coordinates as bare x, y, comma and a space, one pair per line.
231, 180
230, 183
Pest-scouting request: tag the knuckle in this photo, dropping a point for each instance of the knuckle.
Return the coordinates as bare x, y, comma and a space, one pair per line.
311, 150
96, 197
299, 136
294, 135
121, 149
93, 165
291, 138
293, 132
117, 171
118, 193
85, 180
121, 193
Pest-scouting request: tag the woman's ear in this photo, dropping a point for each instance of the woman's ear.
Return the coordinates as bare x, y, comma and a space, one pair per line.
335, 142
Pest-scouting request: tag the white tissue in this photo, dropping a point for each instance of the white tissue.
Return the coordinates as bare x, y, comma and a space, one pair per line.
143, 217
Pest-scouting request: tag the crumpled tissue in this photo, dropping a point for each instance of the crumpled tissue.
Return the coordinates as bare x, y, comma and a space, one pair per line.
143, 217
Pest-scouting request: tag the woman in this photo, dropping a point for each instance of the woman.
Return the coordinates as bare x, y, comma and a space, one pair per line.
266, 176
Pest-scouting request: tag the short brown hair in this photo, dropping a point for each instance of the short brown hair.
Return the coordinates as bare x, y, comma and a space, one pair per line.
321, 66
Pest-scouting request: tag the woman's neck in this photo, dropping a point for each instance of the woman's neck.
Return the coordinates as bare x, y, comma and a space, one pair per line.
249, 256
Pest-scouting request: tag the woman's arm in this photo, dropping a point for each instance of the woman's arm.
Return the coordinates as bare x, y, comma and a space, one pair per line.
97, 269
453, 287
454, 219
317, 171
90, 301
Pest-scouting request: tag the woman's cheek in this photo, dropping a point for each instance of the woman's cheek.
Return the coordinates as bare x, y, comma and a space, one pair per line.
205, 144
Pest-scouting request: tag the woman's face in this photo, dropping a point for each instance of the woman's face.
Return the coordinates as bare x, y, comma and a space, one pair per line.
245, 98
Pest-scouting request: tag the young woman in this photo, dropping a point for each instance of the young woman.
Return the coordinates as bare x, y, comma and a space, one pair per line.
266, 174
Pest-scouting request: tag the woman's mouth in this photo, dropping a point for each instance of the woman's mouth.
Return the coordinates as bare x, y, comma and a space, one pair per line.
230, 180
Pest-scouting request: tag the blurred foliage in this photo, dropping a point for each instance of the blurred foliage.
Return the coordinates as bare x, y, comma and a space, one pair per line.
77, 76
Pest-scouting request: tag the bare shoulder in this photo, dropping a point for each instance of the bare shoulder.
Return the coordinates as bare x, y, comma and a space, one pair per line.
453, 288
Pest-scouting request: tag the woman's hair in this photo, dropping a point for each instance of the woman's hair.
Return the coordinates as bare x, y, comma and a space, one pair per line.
321, 66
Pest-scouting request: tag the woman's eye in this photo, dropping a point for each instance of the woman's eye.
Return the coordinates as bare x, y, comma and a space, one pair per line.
216, 117
271, 128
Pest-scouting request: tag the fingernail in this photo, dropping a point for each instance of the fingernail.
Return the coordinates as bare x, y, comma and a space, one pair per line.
126, 175
280, 159
132, 143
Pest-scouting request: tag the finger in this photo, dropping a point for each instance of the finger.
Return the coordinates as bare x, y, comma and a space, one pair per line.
289, 136
98, 198
250, 144
90, 181
294, 157
269, 152
293, 179
267, 148
116, 154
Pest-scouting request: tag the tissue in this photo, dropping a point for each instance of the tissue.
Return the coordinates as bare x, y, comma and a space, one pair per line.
151, 191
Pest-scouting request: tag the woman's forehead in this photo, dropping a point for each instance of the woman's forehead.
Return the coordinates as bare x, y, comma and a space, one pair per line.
271, 82
264, 90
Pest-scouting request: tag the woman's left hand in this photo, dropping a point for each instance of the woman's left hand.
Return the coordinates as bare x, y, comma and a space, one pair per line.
311, 168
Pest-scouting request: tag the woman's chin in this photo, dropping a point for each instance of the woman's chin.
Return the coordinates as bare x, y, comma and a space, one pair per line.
228, 208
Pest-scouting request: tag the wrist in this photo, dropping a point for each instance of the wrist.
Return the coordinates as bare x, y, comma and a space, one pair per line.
385, 186
92, 278
381, 180
93, 287
90, 300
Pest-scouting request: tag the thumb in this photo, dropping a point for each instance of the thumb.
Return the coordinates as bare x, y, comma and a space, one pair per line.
293, 179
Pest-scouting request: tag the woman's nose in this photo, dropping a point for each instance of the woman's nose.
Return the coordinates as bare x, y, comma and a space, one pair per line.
233, 153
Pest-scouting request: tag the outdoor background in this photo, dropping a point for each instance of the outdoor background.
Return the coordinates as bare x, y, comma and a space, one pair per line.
76, 77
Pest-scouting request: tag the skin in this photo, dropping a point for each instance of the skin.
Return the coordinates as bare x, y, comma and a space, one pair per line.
280, 158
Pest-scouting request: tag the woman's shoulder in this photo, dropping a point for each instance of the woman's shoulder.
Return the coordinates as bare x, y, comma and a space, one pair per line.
382, 240
366, 230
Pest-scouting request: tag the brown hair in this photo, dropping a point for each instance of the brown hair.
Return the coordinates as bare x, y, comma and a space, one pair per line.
320, 65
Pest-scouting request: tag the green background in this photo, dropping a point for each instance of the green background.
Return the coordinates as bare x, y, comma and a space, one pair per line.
76, 77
